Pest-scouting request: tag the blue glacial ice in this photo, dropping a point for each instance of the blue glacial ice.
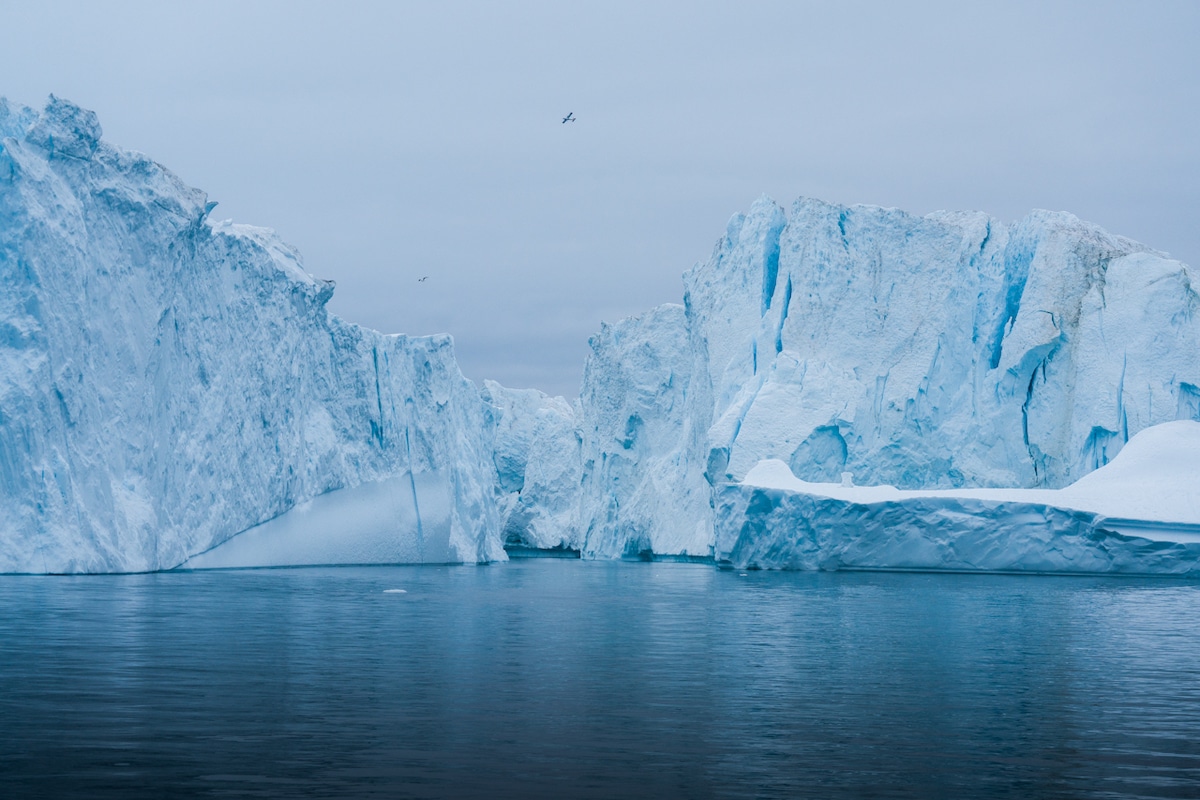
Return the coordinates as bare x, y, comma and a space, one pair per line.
950, 350
536, 454
1138, 514
167, 382
173, 390
939, 351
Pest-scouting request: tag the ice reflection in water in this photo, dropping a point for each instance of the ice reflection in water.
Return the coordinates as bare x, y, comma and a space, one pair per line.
579, 679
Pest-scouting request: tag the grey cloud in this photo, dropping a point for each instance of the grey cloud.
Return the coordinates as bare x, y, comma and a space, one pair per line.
390, 140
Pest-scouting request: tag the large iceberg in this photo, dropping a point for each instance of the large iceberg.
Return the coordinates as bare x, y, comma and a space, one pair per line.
945, 350
950, 350
167, 382
1138, 514
173, 390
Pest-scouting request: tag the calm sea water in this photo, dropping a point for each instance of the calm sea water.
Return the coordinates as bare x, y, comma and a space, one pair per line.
576, 679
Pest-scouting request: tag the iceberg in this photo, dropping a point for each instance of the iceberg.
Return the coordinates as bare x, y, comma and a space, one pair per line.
1139, 514
943, 351
642, 491
537, 459
168, 382
173, 391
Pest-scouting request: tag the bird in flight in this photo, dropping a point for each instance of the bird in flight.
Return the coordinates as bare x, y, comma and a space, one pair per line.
570, 117
422, 280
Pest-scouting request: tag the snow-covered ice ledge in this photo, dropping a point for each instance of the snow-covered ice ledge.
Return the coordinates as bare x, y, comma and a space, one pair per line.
1140, 514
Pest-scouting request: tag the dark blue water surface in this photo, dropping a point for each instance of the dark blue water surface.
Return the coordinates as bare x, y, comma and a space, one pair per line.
577, 679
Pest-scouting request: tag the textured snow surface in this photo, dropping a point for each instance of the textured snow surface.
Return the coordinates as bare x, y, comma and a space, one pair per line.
167, 382
1155, 477
1138, 514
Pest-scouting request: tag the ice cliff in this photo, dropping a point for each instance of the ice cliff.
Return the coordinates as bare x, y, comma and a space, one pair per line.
537, 459
950, 350
945, 350
167, 382
642, 491
1123, 518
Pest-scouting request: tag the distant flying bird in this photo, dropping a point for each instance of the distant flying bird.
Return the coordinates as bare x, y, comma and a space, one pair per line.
419, 280
570, 117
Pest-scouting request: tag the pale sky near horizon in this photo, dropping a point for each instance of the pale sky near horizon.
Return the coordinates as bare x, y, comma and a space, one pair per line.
394, 140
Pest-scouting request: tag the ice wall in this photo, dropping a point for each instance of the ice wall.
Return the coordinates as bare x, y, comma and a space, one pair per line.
642, 489
1139, 514
167, 382
537, 456
945, 350
774, 529
939, 351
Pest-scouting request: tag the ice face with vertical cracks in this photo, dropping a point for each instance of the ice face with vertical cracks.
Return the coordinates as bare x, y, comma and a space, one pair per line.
949, 350
167, 382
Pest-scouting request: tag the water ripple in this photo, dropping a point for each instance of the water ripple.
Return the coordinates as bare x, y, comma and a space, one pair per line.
580, 679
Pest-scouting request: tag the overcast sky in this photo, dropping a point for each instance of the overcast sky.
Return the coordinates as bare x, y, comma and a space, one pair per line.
394, 140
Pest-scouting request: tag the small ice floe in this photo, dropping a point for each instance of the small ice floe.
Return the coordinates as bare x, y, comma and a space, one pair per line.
395, 591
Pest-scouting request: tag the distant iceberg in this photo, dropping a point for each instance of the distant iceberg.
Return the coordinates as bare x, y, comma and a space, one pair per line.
1140, 514
535, 450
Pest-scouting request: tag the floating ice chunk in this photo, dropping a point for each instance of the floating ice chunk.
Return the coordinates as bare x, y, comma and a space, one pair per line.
1140, 514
